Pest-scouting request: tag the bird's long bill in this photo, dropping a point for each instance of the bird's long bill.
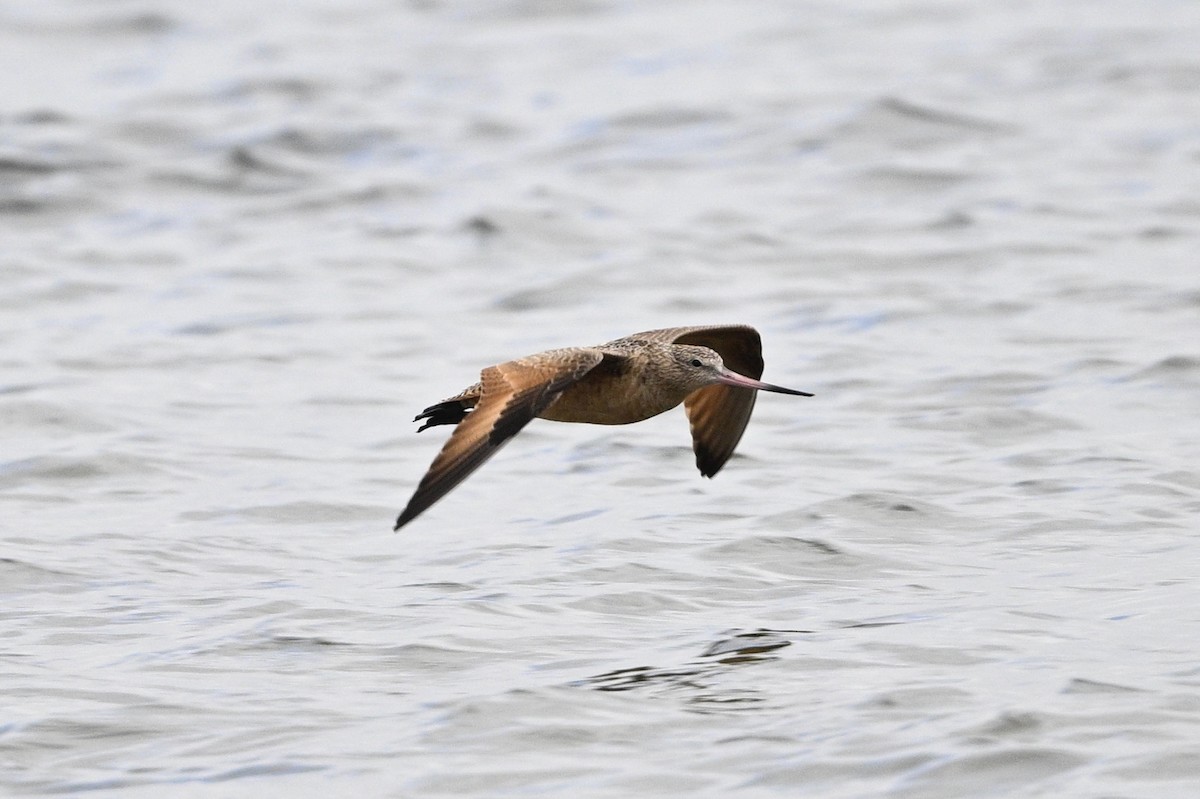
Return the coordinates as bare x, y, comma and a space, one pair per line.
734, 379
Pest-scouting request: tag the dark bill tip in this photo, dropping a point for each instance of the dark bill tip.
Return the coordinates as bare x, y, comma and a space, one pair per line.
734, 379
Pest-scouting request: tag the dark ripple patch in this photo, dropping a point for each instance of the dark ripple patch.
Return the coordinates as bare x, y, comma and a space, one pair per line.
235, 172
994, 426
19, 575
334, 140
63, 181
831, 776
240, 323
695, 679
663, 118
25, 166
910, 110
575, 517
250, 160
288, 513
52, 469
1012, 770
282, 768
1009, 725
146, 23
279, 769
808, 559
787, 547
1078, 685
1045, 487
892, 121
565, 292
298, 643
747, 647
296, 90
143, 23
1174, 369
882, 508
482, 227
20, 415
906, 178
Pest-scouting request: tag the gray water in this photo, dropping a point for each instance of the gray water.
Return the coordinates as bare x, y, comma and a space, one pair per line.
244, 243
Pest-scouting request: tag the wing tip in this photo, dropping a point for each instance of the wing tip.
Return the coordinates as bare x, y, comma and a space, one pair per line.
708, 465
410, 512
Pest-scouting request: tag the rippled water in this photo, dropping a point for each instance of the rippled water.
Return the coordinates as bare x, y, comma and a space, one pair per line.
245, 242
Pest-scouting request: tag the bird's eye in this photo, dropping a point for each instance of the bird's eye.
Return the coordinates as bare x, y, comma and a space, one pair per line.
696, 362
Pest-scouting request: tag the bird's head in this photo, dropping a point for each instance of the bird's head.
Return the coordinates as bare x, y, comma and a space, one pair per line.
698, 367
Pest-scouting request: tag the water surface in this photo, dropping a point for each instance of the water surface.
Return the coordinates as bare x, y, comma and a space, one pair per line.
245, 243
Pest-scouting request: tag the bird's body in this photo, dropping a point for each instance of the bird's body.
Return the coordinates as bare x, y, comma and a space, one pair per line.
621, 382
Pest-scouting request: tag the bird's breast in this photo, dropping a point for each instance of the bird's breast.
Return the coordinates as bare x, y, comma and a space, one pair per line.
602, 398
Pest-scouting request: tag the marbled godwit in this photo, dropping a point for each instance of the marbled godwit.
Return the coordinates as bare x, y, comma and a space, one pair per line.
621, 382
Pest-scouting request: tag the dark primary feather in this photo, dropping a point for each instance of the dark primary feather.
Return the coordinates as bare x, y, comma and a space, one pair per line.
513, 393
445, 412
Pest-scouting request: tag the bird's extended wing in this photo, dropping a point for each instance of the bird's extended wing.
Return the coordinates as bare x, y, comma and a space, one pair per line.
513, 394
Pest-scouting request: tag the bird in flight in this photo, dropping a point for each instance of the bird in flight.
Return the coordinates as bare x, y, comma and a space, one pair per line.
713, 370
